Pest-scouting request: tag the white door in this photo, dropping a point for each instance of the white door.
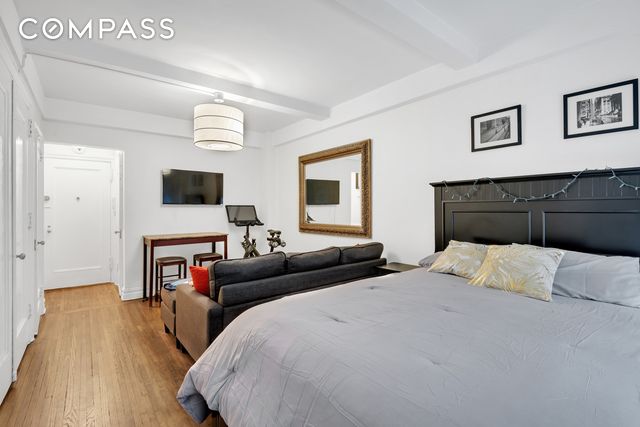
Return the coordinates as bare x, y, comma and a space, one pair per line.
24, 268
77, 222
5, 247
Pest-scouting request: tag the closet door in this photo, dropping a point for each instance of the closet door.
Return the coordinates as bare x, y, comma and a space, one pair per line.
5, 232
24, 267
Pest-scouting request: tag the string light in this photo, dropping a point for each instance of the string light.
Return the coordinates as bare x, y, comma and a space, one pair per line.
517, 198
622, 183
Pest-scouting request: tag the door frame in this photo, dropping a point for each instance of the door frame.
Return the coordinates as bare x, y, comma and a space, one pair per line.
39, 222
117, 170
117, 273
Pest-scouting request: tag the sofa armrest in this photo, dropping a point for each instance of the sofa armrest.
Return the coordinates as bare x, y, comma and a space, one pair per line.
198, 320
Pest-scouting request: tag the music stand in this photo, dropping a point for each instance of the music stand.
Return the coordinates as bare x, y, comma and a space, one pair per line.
245, 216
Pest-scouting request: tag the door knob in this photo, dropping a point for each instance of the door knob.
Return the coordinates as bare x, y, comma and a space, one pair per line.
21, 256
41, 242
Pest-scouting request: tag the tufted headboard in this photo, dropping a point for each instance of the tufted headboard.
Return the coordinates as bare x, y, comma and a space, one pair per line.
595, 215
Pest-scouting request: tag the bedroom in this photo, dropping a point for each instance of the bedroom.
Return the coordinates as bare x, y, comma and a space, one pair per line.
410, 77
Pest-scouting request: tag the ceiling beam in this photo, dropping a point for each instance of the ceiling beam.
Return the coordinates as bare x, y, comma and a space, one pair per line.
105, 57
78, 113
411, 22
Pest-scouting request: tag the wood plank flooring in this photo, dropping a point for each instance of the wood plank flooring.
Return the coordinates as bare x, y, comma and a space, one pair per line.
98, 361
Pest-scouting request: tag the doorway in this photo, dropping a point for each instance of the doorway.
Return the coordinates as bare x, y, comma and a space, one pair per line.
82, 216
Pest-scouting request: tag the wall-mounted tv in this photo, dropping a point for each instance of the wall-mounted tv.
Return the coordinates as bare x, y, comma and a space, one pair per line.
322, 192
182, 187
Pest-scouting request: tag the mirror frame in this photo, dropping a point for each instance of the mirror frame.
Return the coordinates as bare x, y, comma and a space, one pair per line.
364, 229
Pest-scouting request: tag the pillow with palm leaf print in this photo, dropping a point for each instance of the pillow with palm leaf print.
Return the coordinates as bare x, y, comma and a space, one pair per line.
460, 259
523, 269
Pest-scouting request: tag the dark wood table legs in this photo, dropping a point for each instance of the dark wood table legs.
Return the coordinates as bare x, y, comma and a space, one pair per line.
151, 242
144, 271
152, 266
213, 248
147, 283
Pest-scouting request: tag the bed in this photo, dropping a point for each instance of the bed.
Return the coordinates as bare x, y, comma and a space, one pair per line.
421, 348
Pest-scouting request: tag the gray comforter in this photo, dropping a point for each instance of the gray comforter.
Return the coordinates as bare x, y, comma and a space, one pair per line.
421, 349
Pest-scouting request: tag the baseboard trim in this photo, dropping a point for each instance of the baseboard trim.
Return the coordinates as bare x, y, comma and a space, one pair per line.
130, 294
42, 306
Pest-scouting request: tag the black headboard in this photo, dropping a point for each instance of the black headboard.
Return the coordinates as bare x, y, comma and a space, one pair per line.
595, 215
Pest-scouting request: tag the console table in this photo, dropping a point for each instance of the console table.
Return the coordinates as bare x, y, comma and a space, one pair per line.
153, 241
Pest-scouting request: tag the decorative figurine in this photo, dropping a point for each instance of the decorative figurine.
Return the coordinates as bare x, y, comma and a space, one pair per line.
249, 247
275, 240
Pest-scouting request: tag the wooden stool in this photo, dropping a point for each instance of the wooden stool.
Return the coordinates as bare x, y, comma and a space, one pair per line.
198, 259
169, 261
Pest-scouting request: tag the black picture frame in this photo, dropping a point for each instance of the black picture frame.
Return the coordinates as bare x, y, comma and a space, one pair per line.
566, 98
475, 145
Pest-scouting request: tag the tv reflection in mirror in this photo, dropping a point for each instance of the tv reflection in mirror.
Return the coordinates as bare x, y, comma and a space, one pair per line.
322, 192
183, 187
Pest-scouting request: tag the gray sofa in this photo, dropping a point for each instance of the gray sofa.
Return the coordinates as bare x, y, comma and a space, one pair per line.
239, 284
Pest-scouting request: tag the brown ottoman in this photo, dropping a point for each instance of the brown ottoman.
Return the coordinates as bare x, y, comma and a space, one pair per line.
168, 312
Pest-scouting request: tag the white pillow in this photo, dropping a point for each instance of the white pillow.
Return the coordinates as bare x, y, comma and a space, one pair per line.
611, 279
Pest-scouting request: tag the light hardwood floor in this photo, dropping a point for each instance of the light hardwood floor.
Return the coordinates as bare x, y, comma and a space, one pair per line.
98, 361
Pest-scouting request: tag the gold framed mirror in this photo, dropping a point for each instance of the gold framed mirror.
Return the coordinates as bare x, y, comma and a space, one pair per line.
335, 190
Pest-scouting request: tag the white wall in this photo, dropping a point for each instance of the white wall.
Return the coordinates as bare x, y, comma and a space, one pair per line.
429, 140
145, 155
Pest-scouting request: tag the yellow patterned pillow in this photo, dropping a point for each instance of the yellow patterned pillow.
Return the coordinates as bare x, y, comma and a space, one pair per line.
460, 258
524, 269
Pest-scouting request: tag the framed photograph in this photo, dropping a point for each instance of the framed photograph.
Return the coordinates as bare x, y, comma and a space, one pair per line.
605, 109
497, 129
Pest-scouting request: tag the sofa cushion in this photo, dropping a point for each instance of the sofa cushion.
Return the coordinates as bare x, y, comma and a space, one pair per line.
307, 261
359, 253
229, 271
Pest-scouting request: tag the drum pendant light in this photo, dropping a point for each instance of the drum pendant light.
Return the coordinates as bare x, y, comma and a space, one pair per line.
218, 127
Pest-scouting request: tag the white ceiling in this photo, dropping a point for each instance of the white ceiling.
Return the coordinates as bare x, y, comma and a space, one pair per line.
495, 23
90, 85
311, 54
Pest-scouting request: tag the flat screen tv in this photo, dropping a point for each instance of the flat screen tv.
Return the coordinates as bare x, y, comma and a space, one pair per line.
182, 187
322, 192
